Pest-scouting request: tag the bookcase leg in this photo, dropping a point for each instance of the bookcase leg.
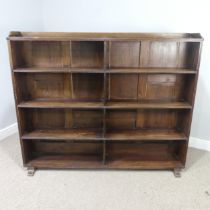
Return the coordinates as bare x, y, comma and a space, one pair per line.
177, 172
31, 171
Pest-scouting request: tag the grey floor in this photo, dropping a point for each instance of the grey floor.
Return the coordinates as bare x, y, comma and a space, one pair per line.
102, 190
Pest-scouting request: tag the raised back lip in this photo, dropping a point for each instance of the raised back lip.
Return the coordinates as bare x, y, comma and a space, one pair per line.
17, 35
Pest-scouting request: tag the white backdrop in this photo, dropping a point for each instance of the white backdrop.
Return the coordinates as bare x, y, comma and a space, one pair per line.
110, 16
14, 15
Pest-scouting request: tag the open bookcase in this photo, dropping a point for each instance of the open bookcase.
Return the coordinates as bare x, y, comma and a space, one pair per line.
104, 100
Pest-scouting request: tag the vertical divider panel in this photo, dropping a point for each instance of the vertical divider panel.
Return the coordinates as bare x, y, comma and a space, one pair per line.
65, 56
70, 54
105, 66
69, 114
71, 77
104, 134
104, 118
139, 76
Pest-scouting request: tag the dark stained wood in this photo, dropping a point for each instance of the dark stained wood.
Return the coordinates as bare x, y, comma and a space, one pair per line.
118, 88
110, 70
87, 54
60, 36
124, 54
108, 105
104, 100
73, 134
61, 104
93, 162
147, 134
96, 134
87, 87
148, 105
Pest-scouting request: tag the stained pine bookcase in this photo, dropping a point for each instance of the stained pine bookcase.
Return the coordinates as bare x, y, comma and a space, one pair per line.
104, 100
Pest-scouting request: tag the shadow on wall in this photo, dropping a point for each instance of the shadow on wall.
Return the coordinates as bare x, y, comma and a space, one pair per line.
200, 124
9, 115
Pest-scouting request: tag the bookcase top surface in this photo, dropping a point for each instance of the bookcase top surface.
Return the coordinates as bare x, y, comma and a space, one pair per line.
62, 36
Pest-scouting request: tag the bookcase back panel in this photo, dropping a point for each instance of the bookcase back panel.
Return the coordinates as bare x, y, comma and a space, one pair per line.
66, 86
124, 54
146, 119
62, 119
123, 86
169, 54
158, 119
66, 148
44, 86
88, 86
47, 119
43, 54
140, 151
150, 87
161, 87
121, 119
87, 119
87, 54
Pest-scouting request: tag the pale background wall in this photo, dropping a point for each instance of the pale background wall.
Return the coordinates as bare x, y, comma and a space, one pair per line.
14, 15
110, 16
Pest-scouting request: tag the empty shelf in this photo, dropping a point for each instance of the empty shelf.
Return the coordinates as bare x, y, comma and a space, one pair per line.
96, 134
149, 105
73, 134
101, 70
88, 162
152, 70
58, 70
64, 161
108, 105
156, 135
60, 104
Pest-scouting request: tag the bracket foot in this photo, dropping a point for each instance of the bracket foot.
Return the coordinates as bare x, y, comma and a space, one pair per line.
177, 172
31, 171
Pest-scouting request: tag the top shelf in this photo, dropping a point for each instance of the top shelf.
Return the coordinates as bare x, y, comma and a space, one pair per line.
61, 36
112, 70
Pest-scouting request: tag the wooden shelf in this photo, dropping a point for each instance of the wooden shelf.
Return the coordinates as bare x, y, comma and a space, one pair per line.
148, 105
58, 36
71, 134
58, 70
96, 134
150, 134
93, 162
60, 104
140, 164
114, 70
71, 161
151, 71
100, 105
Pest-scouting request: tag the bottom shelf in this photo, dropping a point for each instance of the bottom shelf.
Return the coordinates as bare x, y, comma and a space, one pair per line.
65, 161
105, 154
93, 162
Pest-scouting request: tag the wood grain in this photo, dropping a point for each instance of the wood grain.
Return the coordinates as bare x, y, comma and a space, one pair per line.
104, 100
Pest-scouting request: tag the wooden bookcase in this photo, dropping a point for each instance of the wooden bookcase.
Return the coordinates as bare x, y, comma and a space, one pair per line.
104, 100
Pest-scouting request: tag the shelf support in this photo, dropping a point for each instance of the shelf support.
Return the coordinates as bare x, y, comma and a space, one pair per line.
177, 172
31, 171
